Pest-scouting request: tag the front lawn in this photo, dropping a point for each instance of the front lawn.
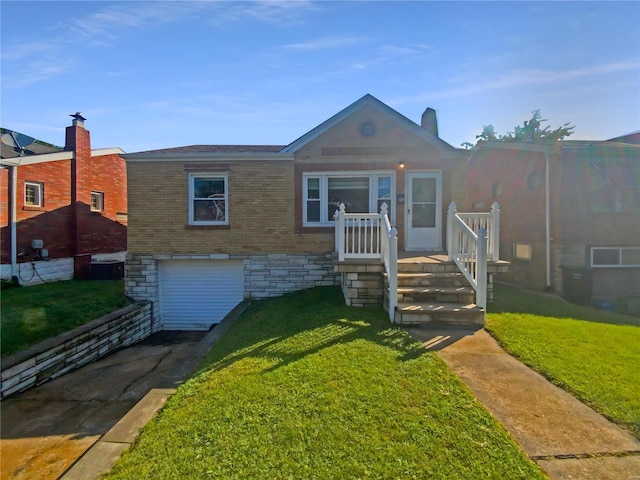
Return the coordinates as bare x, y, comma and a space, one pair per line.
304, 387
32, 314
593, 354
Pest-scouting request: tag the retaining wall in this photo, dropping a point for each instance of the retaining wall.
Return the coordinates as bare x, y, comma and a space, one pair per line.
69, 351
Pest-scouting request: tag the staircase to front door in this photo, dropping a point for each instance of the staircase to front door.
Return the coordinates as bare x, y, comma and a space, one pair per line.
431, 289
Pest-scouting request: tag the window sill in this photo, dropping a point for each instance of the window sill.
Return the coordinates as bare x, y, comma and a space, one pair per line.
28, 208
207, 227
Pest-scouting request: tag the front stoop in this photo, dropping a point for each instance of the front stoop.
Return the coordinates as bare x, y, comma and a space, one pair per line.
431, 289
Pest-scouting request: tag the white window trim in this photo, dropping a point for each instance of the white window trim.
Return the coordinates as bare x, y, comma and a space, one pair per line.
224, 176
100, 196
619, 264
40, 190
324, 200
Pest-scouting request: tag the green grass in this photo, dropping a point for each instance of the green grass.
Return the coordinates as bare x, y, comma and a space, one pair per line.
32, 314
304, 387
593, 354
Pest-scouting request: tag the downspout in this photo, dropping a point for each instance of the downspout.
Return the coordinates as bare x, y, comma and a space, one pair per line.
547, 219
13, 212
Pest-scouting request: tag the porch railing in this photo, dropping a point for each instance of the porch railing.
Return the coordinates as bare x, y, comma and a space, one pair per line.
370, 235
472, 240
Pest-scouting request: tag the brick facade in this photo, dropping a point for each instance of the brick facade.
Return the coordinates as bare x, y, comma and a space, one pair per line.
514, 176
65, 222
265, 200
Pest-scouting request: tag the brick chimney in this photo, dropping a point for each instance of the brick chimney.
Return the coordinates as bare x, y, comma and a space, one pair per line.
78, 140
429, 121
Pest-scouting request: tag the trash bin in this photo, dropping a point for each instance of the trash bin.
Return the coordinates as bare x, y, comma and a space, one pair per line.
577, 284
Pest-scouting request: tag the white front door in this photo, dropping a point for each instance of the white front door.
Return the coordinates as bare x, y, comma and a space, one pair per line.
424, 211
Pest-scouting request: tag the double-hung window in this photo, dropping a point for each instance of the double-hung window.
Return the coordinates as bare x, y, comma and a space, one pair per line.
32, 194
361, 192
208, 199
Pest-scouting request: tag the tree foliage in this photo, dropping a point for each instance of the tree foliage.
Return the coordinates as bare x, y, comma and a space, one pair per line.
530, 131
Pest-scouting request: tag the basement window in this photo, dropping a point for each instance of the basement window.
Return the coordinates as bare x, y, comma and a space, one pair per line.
33, 194
97, 201
618, 257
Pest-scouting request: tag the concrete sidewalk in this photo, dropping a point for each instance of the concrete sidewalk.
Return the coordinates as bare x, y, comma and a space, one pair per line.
567, 439
76, 426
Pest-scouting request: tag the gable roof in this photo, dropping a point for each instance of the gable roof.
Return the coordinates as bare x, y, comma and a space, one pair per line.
367, 100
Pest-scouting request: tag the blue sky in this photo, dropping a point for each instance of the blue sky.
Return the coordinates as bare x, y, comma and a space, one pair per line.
153, 74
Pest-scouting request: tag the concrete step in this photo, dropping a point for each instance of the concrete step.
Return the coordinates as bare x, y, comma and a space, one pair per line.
410, 313
427, 267
444, 279
464, 295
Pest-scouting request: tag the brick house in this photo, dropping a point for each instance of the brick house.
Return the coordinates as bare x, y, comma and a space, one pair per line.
59, 206
570, 218
210, 225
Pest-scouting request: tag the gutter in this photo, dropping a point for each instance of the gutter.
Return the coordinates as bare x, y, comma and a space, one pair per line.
547, 219
13, 213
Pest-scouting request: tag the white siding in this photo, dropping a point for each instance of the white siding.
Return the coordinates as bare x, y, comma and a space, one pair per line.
195, 294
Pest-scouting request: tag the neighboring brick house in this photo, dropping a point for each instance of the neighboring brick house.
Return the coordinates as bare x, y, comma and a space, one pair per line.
210, 225
570, 213
59, 206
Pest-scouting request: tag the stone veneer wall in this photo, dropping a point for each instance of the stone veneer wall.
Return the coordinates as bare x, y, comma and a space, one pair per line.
272, 275
89, 342
266, 275
362, 283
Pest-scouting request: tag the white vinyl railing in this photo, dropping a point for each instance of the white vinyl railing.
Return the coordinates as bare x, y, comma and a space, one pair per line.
369, 235
472, 239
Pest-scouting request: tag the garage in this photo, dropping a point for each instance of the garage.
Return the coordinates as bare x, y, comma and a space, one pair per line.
195, 294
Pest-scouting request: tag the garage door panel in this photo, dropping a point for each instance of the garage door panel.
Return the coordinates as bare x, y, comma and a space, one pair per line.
197, 294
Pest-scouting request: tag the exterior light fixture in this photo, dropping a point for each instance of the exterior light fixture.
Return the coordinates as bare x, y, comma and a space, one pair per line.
400, 165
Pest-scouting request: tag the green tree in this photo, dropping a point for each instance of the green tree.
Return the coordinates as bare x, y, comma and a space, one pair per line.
530, 131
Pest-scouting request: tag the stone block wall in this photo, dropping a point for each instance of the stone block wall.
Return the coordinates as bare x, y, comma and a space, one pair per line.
362, 283
272, 275
71, 350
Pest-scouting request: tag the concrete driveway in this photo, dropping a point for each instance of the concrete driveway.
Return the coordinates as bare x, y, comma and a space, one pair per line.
47, 429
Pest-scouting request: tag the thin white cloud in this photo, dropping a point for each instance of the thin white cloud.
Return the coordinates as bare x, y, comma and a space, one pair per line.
325, 43
107, 25
521, 78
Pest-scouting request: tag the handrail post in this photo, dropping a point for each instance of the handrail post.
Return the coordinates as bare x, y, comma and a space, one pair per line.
495, 231
450, 214
340, 227
481, 252
392, 274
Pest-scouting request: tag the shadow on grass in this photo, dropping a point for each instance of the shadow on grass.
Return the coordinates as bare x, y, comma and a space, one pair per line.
288, 328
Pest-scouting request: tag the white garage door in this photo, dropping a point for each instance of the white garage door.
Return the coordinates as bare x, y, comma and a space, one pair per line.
195, 294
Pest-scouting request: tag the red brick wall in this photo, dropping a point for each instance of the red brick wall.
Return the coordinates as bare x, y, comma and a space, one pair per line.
67, 228
516, 181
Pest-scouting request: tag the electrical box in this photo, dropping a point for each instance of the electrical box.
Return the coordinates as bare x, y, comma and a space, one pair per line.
37, 244
44, 253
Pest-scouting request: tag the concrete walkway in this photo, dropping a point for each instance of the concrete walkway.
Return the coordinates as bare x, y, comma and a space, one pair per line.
567, 439
77, 426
